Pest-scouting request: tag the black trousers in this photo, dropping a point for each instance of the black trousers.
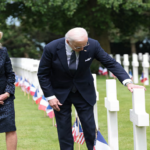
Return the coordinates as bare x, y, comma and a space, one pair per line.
64, 124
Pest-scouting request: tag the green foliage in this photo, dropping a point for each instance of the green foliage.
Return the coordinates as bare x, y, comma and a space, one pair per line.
56, 17
19, 43
94, 66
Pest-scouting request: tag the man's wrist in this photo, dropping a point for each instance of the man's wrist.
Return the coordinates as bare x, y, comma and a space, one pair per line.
50, 98
130, 82
126, 81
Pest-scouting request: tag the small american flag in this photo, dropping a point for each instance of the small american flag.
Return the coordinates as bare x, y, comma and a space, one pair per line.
77, 133
74, 131
80, 138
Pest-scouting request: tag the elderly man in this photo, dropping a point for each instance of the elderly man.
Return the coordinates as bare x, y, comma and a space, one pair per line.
66, 79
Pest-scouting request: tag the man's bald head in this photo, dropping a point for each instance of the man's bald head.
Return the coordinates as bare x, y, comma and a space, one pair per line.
76, 34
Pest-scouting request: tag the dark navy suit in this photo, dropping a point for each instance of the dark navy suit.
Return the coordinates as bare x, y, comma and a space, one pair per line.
56, 79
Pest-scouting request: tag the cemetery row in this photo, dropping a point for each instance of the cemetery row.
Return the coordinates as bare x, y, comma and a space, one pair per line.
26, 71
136, 62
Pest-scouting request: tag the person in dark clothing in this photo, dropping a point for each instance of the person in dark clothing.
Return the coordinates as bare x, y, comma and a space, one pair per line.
7, 89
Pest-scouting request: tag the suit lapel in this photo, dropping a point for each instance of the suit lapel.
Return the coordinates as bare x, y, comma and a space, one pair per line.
61, 52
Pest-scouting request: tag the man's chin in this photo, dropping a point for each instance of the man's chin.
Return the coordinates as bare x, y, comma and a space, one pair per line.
78, 50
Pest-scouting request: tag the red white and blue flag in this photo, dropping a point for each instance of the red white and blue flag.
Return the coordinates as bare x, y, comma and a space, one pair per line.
50, 112
143, 78
80, 138
37, 97
38, 100
130, 74
74, 131
43, 104
32, 90
100, 143
16, 80
27, 86
20, 81
100, 70
77, 133
105, 72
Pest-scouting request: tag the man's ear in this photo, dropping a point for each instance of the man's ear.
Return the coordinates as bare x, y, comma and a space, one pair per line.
67, 41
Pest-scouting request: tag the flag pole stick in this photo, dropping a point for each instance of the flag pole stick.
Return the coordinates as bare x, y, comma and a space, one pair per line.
143, 79
96, 133
107, 76
78, 133
76, 145
28, 96
53, 122
24, 93
79, 146
76, 118
44, 113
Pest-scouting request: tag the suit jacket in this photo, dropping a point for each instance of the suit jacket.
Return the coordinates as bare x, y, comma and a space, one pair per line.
7, 76
56, 79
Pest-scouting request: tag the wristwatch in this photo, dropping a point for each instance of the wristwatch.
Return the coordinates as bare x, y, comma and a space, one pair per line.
128, 83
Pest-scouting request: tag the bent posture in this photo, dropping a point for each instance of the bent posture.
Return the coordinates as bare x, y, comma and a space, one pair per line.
65, 78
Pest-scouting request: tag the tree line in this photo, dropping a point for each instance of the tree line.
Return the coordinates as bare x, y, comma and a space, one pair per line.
43, 21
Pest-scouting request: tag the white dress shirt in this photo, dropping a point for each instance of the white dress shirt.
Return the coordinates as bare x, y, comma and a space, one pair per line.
68, 53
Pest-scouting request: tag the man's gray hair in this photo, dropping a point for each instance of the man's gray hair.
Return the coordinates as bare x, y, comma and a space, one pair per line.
76, 34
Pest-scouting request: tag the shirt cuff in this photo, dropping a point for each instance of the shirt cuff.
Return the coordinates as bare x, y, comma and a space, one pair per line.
50, 97
126, 81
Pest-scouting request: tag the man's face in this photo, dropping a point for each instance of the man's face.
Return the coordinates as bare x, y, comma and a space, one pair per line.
78, 45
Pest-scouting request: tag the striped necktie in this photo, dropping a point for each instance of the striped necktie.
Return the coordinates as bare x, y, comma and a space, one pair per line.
72, 64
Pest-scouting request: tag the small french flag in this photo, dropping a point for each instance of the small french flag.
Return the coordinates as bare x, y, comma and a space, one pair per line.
100, 143
17, 80
32, 90
49, 111
100, 70
37, 97
43, 104
143, 78
105, 72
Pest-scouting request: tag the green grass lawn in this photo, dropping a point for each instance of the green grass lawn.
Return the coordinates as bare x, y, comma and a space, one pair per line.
35, 131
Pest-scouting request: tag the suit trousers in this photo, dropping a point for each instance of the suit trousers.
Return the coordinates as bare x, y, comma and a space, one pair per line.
64, 121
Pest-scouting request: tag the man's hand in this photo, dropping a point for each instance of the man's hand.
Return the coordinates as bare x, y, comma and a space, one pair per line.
132, 86
54, 103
